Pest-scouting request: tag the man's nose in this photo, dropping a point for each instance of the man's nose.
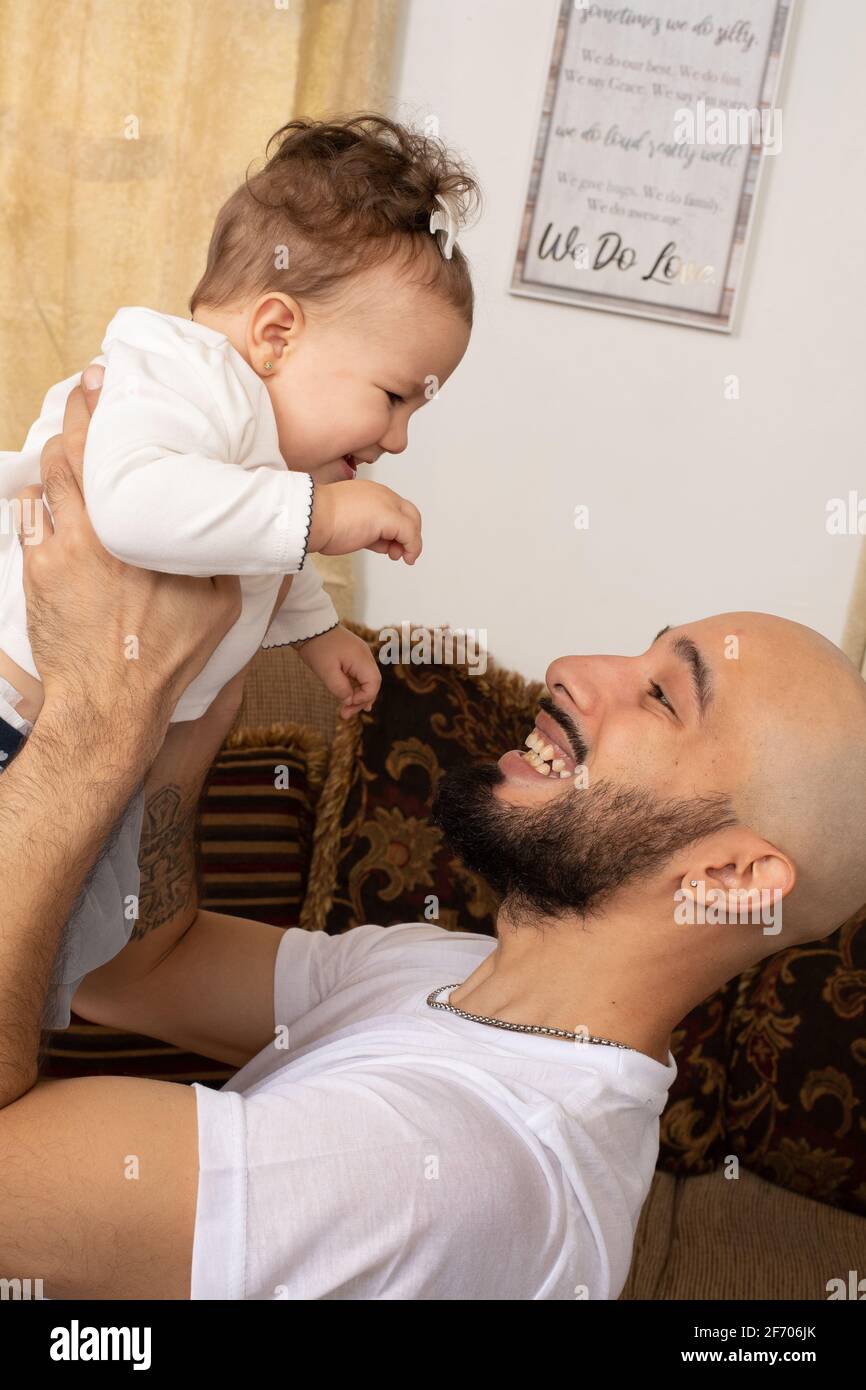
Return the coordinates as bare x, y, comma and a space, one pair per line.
585, 684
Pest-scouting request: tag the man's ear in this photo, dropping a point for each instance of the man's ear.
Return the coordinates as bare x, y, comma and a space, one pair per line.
738, 860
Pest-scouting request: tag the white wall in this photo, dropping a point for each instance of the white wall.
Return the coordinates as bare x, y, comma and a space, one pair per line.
698, 504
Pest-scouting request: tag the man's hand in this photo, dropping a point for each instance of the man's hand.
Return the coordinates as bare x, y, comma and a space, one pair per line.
118, 639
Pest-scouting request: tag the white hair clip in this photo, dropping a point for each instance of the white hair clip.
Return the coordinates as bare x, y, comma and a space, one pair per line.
445, 218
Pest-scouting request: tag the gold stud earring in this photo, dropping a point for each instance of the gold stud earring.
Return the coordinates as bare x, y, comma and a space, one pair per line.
268, 366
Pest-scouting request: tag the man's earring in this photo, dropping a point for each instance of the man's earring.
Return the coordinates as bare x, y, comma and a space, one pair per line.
268, 366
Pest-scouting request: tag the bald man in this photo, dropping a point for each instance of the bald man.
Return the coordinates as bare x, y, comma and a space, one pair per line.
729, 758
417, 1113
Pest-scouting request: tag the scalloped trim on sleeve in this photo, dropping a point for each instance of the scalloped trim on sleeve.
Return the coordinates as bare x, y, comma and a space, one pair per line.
310, 500
299, 641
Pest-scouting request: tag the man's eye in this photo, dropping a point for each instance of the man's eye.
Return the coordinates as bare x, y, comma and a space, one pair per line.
658, 694
393, 397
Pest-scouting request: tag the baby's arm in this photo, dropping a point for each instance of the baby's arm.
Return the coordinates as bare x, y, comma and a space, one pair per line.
346, 666
343, 662
162, 483
306, 611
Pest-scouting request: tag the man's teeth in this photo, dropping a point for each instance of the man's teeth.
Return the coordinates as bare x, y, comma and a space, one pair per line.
534, 761
541, 756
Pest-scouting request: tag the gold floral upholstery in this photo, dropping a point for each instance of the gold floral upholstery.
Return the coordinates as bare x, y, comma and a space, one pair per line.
795, 1100
377, 857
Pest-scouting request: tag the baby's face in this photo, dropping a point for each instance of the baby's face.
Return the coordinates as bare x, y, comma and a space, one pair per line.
345, 382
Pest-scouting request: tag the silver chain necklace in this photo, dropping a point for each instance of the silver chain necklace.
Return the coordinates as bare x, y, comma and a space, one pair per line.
518, 1027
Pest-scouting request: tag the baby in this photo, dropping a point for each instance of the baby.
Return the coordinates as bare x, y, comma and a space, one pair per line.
333, 305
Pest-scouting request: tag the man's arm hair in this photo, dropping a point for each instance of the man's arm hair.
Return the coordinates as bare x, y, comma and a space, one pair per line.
52, 826
200, 980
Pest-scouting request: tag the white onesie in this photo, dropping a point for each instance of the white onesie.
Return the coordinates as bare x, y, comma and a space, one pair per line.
183, 474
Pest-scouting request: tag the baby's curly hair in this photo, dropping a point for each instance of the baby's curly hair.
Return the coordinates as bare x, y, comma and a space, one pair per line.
338, 196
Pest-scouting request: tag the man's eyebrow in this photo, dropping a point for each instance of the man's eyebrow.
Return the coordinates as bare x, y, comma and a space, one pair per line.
702, 681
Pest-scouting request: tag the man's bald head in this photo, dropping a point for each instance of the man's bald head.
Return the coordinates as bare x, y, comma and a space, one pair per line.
793, 709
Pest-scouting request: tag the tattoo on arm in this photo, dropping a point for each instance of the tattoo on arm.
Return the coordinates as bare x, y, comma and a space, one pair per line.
166, 858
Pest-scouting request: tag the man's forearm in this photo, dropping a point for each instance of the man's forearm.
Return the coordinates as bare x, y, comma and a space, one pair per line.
59, 801
168, 894
167, 899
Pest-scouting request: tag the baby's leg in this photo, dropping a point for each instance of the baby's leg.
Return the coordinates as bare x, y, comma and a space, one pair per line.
29, 689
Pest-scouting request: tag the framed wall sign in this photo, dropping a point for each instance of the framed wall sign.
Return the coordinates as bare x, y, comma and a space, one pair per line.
656, 120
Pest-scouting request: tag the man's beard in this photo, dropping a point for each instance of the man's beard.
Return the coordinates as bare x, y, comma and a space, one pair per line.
572, 853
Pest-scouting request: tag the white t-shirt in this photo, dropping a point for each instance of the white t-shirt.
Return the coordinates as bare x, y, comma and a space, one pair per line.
398, 1151
182, 473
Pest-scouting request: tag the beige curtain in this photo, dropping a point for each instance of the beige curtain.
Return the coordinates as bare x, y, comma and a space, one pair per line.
124, 124
854, 638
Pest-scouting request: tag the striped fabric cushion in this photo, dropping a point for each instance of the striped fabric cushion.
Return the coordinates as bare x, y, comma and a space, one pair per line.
256, 820
254, 841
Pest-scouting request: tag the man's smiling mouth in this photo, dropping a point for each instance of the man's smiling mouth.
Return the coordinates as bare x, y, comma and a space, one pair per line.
551, 747
547, 757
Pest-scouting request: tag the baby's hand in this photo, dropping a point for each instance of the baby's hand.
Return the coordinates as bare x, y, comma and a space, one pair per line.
338, 657
363, 515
